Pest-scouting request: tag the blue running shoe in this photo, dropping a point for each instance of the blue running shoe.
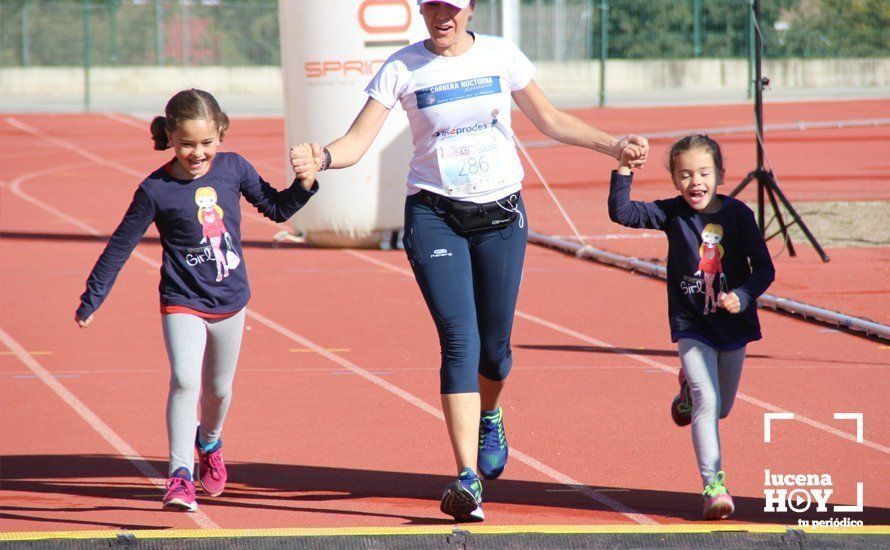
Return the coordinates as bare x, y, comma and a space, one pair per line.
463, 498
493, 448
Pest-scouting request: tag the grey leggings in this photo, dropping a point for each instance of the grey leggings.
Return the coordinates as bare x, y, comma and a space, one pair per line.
713, 378
203, 354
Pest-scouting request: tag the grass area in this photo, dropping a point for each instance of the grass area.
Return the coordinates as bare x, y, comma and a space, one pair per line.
839, 224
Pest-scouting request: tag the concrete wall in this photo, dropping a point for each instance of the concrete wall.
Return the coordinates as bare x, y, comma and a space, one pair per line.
62, 81
259, 89
713, 74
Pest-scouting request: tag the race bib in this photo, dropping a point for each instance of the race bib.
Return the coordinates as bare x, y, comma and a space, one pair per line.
471, 164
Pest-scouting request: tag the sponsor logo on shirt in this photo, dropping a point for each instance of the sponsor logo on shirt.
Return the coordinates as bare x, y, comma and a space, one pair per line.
451, 132
457, 91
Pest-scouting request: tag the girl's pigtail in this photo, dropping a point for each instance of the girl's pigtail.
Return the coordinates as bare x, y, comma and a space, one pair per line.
159, 133
223, 124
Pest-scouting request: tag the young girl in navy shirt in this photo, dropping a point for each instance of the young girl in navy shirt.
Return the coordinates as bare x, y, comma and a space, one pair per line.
717, 266
193, 200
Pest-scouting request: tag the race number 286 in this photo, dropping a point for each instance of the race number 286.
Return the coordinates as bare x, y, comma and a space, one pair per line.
472, 166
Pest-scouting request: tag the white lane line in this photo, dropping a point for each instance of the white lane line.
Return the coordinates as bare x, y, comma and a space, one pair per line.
65, 144
15, 187
128, 120
96, 423
374, 379
646, 361
348, 365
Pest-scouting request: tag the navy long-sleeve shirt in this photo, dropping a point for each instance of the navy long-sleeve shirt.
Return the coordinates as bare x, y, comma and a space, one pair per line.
189, 270
742, 256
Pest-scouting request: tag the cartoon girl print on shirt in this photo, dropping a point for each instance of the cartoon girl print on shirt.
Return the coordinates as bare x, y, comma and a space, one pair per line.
210, 216
709, 265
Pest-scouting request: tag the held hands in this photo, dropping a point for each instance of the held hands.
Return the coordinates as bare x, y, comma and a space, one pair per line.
729, 301
83, 323
632, 152
631, 156
305, 159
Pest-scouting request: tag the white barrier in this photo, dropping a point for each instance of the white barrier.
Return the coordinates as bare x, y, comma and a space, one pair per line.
807, 312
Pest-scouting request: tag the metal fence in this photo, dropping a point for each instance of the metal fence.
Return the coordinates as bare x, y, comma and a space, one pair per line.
138, 32
612, 34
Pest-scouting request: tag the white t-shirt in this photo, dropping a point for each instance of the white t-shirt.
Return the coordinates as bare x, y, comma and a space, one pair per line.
459, 113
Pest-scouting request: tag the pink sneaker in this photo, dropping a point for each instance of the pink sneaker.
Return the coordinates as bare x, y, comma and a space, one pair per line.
718, 507
681, 407
180, 492
718, 503
212, 471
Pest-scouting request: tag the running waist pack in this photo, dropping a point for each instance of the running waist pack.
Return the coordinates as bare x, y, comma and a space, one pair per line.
471, 217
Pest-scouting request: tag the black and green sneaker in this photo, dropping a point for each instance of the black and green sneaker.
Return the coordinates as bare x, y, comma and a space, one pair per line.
493, 450
463, 498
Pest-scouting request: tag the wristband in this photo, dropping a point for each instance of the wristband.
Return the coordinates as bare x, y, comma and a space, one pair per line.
326, 161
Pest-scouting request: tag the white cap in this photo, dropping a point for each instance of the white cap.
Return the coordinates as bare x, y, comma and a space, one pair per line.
460, 4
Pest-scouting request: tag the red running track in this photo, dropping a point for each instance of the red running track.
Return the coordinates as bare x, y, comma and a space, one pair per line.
335, 418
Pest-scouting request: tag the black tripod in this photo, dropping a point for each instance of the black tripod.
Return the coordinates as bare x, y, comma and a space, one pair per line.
766, 181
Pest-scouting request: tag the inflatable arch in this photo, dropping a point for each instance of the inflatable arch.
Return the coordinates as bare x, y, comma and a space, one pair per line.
330, 49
